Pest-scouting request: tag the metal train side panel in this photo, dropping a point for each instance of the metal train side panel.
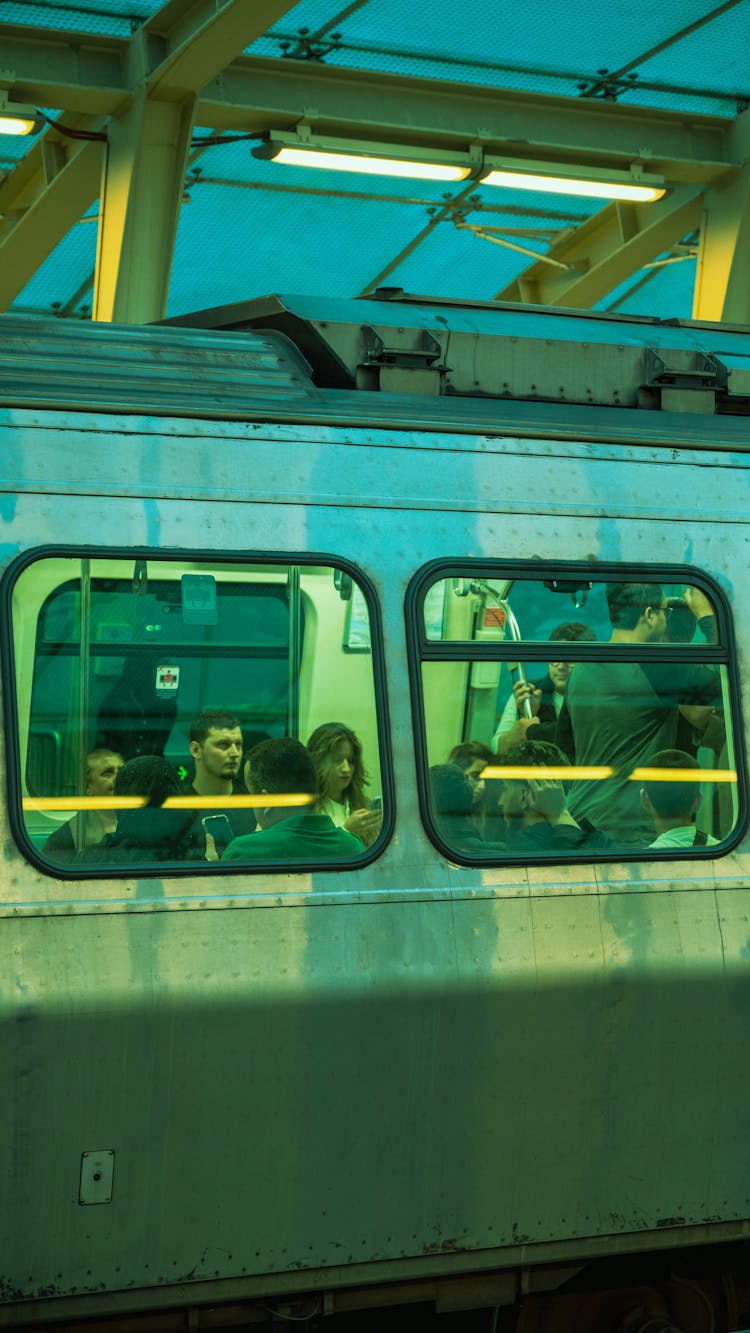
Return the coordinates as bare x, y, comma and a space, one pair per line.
411, 1070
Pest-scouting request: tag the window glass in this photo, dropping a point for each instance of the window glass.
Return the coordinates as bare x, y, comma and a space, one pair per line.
565, 716
165, 710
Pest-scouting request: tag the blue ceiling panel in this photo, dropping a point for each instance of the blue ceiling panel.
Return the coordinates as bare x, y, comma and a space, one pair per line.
510, 46
113, 17
666, 292
457, 264
232, 245
714, 57
585, 36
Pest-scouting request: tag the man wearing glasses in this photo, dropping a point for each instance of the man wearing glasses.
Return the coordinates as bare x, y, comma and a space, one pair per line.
623, 710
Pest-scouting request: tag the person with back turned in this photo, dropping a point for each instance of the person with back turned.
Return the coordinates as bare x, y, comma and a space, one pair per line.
288, 832
671, 797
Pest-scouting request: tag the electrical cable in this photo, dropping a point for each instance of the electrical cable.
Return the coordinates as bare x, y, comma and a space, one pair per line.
208, 141
68, 130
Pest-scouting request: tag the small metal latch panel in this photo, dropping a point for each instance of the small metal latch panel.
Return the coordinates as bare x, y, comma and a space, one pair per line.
685, 369
97, 1171
413, 348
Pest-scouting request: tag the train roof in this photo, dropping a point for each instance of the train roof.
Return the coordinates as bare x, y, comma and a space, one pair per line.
299, 355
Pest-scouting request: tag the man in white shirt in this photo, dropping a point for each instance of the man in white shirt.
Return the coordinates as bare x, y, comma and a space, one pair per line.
673, 803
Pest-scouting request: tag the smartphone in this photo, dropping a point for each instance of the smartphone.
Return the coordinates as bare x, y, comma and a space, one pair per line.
220, 829
377, 804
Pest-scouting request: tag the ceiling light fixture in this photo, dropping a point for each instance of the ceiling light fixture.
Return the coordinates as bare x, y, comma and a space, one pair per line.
377, 159
18, 118
303, 149
635, 186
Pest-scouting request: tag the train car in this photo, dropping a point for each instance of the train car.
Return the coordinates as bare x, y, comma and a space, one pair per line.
494, 1055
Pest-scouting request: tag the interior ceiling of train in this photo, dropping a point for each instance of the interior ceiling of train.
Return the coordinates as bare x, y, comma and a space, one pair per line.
157, 178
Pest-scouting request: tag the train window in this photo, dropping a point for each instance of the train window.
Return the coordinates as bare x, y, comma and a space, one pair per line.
562, 716
208, 715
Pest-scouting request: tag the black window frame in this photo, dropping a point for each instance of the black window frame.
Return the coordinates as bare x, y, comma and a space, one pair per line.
422, 649
166, 870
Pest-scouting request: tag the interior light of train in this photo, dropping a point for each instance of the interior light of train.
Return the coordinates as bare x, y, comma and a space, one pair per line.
552, 772
571, 772
191, 802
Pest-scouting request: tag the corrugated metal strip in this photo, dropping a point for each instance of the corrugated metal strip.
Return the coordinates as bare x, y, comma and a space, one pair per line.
146, 368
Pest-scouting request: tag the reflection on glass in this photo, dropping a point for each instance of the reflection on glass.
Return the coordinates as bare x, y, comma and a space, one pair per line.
496, 609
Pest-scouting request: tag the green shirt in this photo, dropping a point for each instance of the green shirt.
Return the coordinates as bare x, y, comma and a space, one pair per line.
298, 838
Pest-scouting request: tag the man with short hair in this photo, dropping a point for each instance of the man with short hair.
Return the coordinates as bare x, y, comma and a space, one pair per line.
216, 748
549, 719
622, 710
533, 805
101, 770
673, 804
472, 757
288, 832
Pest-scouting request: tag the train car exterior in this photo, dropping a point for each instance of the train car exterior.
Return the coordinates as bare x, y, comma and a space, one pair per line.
443, 1067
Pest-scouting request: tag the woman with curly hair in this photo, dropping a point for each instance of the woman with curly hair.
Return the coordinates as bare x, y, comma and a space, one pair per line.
337, 755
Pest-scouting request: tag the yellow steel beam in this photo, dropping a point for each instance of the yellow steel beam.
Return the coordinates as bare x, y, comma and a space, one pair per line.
141, 194
42, 198
605, 250
186, 43
722, 281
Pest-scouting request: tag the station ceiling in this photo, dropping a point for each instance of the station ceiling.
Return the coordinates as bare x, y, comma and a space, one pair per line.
141, 197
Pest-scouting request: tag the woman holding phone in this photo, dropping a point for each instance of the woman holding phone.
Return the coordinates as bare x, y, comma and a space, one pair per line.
337, 755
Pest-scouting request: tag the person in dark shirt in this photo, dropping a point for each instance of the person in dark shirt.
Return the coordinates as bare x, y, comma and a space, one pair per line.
149, 832
623, 710
534, 805
288, 830
216, 749
547, 698
453, 806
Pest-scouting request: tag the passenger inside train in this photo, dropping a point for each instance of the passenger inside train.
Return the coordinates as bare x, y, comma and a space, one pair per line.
292, 825
216, 747
671, 797
541, 704
147, 830
89, 827
337, 755
534, 804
